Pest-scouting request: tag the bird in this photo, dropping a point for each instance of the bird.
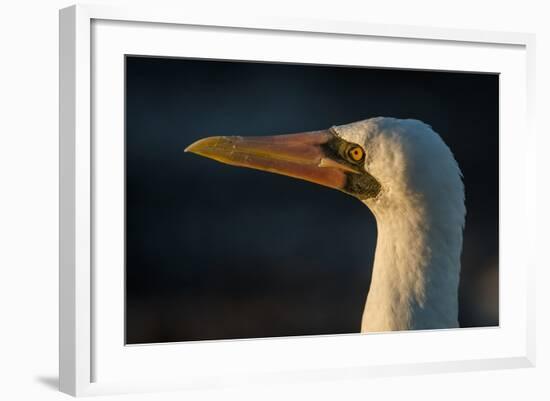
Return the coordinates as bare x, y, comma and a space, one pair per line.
404, 172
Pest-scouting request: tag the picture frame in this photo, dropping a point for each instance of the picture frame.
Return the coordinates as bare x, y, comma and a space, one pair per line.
93, 356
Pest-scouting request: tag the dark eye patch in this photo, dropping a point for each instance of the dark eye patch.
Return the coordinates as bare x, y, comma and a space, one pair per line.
362, 185
344, 151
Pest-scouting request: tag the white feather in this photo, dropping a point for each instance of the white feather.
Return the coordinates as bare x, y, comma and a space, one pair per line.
420, 217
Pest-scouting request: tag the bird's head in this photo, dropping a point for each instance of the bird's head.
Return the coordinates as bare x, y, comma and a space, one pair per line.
378, 160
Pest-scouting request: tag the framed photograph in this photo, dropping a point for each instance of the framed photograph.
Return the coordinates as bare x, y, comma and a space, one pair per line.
267, 200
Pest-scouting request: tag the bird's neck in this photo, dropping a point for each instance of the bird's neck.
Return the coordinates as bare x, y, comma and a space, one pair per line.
416, 271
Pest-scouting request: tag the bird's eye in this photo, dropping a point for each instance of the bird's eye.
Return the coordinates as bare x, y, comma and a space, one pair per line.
356, 153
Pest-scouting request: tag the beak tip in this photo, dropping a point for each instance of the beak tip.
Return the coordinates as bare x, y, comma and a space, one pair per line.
202, 146
193, 147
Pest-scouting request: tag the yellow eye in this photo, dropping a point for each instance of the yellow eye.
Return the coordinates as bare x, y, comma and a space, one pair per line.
356, 153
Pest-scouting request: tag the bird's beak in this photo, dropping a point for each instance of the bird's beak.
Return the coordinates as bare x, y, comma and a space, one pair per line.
301, 155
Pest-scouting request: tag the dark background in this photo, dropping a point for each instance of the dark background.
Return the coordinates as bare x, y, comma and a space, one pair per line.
219, 252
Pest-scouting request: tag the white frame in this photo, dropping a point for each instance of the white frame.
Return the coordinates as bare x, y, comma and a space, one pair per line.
76, 224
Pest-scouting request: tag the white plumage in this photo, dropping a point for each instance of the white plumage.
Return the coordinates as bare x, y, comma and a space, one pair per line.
420, 216
404, 172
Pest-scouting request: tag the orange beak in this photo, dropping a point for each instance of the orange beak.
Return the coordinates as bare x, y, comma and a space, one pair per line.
301, 155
